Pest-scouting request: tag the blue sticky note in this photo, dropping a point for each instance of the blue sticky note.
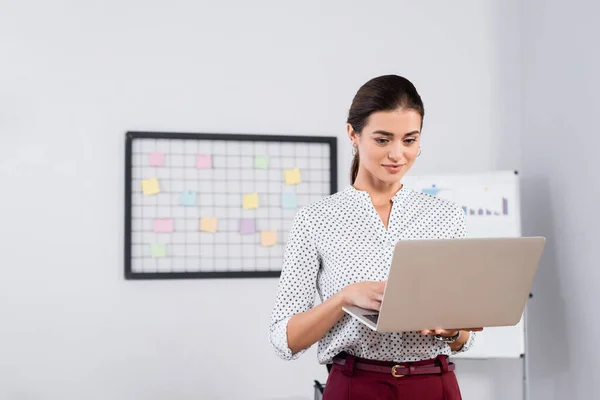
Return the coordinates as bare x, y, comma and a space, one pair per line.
288, 200
188, 198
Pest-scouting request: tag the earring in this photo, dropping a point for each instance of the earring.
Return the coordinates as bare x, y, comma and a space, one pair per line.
354, 150
419, 153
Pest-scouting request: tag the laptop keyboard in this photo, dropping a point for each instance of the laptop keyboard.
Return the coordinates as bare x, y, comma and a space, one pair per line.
372, 317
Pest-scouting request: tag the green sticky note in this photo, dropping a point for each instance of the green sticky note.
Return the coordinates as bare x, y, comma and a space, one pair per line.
158, 250
261, 162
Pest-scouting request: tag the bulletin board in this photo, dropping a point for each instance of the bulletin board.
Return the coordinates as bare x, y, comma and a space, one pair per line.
218, 205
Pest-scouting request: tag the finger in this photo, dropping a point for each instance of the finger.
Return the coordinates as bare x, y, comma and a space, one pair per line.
375, 295
375, 305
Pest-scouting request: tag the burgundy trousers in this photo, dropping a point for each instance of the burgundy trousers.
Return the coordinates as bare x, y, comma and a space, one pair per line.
350, 383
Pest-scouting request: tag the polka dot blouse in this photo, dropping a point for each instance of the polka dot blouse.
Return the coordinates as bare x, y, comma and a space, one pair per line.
340, 240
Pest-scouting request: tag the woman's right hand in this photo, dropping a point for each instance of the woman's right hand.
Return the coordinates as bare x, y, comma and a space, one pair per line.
366, 295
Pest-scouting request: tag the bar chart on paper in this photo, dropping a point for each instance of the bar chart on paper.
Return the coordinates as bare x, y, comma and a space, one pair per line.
490, 201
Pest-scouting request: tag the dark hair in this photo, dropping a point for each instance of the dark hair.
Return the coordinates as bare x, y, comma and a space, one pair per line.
384, 93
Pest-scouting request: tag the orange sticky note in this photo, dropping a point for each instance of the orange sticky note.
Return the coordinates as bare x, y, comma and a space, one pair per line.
292, 176
250, 201
208, 224
268, 238
150, 187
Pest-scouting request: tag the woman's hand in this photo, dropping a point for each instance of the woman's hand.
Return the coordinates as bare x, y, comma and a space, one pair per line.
366, 295
447, 332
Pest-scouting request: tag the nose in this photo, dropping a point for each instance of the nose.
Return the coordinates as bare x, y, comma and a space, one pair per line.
396, 153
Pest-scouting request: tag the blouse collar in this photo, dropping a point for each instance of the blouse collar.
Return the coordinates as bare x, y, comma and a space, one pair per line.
364, 197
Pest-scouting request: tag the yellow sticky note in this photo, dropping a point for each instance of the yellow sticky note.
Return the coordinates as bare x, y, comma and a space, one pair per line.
268, 238
250, 201
292, 176
208, 224
150, 187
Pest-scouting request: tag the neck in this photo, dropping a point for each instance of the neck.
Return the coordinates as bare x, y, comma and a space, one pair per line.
381, 192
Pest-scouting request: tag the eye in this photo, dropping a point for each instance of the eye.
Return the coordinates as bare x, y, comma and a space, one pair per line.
381, 140
410, 141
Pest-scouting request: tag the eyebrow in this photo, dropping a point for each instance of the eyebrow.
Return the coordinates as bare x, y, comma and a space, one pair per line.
390, 134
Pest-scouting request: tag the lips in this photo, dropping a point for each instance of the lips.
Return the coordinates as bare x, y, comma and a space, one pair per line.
393, 168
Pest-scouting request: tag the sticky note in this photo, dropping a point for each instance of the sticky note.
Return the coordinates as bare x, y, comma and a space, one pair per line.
157, 159
203, 161
158, 250
261, 162
208, 224
247, 226
250, 201
289, 200
150, 187
268, 238
162, 225
188, 198
292, 176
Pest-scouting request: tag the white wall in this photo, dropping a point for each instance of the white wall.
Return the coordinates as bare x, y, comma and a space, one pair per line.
560, 170
75, 76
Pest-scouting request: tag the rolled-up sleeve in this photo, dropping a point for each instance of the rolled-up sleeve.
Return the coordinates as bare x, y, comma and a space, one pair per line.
467, 345
461, 232
297, 284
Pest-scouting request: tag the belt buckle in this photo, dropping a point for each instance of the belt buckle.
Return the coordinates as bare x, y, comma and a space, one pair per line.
394, 374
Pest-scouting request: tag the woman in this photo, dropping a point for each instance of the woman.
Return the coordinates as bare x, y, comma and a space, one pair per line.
342, 246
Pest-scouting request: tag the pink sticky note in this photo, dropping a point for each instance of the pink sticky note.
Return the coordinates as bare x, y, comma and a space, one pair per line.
203, 161
157, 159
163, 225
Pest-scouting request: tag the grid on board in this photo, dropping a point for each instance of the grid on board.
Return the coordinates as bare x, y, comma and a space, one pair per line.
219, 189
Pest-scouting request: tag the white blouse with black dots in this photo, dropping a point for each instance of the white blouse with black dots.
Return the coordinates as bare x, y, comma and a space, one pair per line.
340, 240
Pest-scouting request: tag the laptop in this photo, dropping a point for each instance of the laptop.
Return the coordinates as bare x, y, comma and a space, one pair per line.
455, 283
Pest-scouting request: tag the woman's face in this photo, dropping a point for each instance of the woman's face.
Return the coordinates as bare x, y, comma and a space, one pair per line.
388, 144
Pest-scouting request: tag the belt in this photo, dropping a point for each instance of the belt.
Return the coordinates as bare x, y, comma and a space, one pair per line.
397, 370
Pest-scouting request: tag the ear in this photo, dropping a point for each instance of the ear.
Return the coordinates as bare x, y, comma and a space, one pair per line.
352, 135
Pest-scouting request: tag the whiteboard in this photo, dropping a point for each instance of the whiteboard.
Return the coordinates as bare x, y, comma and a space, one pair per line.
492, 205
